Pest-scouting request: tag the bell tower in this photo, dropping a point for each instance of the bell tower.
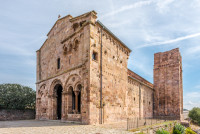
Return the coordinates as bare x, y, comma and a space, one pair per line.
168, 85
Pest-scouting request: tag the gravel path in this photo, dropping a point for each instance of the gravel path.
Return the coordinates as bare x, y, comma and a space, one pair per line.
56, 127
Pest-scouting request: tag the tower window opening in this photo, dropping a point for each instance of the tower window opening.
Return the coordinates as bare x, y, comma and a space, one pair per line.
58, 63
94, 56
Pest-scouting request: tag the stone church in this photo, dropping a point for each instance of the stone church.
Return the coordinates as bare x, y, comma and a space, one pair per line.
82, 76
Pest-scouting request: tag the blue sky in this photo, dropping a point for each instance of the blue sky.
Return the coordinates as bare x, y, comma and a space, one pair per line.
145, 26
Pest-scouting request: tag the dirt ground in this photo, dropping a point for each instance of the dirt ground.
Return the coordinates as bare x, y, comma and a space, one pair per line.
57, 127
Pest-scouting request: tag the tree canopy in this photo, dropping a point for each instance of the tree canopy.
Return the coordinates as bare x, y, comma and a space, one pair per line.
16, 96
194, 114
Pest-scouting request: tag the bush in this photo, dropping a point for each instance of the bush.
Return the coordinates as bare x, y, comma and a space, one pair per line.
189, 131
194, 114
15, 96
179, 129
176, 132
162, 131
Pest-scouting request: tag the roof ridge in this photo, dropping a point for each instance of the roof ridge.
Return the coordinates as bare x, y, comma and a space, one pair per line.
140, 77
85, 14
104, 27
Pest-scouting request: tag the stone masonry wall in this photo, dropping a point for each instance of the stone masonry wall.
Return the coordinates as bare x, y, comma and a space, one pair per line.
114, 69
68, 40
11, 114
139, 99
76, 43
168, 84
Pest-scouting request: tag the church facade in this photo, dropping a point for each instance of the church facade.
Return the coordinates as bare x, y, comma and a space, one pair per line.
82, 75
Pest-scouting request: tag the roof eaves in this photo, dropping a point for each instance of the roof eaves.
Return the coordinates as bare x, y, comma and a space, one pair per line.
141, 82
139, 76
104, 27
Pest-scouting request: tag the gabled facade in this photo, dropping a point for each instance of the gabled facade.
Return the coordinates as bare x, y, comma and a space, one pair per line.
82, 75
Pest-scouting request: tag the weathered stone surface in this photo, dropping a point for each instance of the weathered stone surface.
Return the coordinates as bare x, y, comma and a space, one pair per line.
70, 60
168, 84
13, 114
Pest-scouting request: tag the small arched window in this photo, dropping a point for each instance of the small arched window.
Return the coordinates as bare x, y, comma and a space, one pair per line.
94, 56
76, 45
58, 63
75, 26
65, 49
70, 47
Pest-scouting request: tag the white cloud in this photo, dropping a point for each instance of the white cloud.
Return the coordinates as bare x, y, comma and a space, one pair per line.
15, 50
190, 104
143, 66
193, 95
127, 7
118, 24
150, 36
191, 99
15, 78
195, 4
23, 49
170, 41
198, 86
193, 50
163, 5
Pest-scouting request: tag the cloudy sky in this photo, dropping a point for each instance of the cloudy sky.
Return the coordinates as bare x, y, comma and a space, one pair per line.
145, 26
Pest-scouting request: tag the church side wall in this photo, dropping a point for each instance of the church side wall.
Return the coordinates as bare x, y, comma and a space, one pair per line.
114, 83
139, 99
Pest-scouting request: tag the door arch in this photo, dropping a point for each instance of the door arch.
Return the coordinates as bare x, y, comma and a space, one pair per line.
79, 98
71, 100
58, 90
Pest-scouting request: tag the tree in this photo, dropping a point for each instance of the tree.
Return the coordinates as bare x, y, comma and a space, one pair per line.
16, 96
194, 114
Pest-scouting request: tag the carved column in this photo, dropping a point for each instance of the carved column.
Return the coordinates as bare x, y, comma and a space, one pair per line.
64, 105
54, 107
50, 104
38, 108
76, 101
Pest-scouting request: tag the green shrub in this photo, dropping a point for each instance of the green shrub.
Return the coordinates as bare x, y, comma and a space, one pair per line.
15, 96
176, 132
179, 129
162, 131
194, 114
189, 131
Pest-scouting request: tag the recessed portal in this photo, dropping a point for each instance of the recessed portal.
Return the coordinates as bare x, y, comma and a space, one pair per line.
59, 100
79, 98
73, 101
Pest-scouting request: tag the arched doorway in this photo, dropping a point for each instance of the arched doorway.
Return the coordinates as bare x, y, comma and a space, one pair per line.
74, 99
58, 89
79, 98
71, 100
